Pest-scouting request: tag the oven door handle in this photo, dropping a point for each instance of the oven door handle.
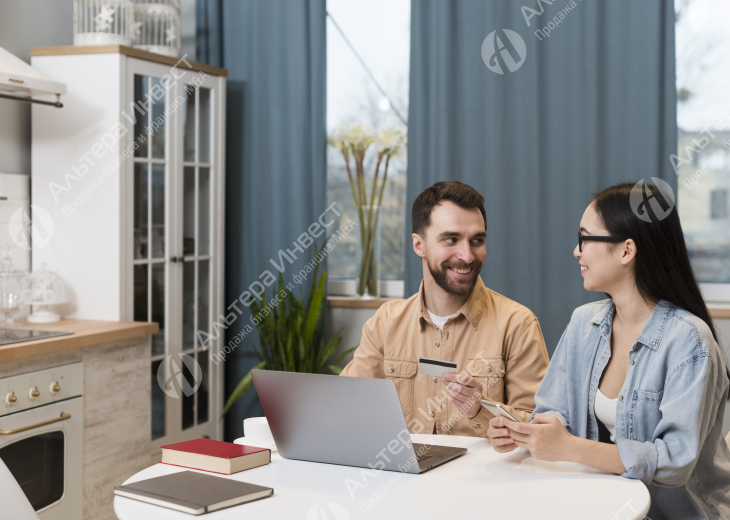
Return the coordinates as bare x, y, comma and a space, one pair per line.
63, 417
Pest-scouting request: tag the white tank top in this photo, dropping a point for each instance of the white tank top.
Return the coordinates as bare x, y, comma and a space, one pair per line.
605, 410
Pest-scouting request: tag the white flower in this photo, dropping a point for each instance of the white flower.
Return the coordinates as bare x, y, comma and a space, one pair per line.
337, 139
355, 135
390, 141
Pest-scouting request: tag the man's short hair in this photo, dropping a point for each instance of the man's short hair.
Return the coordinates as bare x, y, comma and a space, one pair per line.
457, 192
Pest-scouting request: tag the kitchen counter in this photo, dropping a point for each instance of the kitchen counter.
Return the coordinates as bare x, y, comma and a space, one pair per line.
87, 333
116, 396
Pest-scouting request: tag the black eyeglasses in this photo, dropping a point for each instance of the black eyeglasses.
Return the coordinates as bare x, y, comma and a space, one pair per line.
583, 238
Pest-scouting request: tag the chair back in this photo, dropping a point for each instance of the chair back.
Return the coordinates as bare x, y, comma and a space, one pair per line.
15, 505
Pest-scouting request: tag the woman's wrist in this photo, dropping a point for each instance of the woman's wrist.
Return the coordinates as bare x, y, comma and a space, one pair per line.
594, 454
573, 450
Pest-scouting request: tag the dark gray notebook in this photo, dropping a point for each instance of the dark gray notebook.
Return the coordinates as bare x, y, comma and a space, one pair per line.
192, 492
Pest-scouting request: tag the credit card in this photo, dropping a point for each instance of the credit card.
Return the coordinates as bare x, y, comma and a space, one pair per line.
435, 367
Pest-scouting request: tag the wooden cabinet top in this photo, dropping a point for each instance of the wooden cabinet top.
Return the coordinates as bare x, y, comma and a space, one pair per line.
70, 50
86, 333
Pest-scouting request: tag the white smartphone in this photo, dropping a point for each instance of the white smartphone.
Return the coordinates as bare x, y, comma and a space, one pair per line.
499, 410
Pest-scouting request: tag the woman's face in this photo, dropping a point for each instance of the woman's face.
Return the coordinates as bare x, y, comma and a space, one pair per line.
602, 265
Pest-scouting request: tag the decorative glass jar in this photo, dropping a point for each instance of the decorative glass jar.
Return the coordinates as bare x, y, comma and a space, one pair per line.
11, 286
157, 26
368, 253
42, 288
103, 22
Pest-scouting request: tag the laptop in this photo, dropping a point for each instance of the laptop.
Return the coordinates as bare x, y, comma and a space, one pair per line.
351, 421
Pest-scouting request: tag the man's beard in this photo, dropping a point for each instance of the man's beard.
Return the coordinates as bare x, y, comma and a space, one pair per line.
441, 277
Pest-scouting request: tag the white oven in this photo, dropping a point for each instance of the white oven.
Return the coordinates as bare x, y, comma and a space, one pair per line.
41, 438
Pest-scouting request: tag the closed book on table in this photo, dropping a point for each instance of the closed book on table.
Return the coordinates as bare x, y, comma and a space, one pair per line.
215, 456
193, 493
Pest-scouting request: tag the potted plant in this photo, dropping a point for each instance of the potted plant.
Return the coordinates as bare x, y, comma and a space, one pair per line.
291, 335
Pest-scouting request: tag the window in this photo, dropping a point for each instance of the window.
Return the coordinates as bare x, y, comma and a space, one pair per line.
702, 162
379, 32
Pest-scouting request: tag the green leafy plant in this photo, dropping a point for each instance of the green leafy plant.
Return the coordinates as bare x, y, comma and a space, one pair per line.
291, 335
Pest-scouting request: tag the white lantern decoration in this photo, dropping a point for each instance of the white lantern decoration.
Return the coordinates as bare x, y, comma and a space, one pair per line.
42, 288
103, 22
157, 26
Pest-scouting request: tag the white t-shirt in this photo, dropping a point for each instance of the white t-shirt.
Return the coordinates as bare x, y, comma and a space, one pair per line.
439, 321
605, 410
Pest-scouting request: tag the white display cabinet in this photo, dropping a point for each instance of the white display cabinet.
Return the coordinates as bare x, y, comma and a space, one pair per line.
131, 171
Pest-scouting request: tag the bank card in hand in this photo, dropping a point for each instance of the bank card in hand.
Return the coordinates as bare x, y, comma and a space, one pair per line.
435, 367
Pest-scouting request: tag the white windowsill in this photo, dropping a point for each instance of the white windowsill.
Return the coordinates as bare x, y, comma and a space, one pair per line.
346, 287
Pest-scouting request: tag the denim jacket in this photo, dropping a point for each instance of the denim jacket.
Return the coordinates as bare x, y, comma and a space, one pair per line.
669, 412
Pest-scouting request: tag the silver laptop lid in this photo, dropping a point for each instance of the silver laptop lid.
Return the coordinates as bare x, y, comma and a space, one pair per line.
351, 421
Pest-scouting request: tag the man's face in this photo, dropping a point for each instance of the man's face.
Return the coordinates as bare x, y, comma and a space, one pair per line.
454, 247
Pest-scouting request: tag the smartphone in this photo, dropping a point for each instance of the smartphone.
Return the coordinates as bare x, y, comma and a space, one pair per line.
499, 410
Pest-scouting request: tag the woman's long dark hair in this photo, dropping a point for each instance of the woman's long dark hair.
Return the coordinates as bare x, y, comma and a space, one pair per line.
662, 268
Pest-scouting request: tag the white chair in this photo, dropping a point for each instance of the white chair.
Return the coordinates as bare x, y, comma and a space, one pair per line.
15, 505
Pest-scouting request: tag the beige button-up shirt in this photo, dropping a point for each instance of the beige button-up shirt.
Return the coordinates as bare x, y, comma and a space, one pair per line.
494, 339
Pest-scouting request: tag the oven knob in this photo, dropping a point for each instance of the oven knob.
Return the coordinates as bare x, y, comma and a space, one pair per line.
10, 398
55, 388
33, 393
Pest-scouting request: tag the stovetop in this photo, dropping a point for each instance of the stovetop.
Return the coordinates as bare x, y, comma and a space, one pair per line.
8, 336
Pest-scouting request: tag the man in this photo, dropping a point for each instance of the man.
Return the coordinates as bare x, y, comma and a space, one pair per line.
496, 343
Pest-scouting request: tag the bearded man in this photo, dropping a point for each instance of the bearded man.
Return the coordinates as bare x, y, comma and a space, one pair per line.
495, 342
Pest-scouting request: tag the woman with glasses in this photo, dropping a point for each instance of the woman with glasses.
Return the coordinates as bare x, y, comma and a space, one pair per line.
638, 383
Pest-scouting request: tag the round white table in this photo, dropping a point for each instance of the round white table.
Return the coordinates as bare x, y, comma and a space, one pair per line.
482, 482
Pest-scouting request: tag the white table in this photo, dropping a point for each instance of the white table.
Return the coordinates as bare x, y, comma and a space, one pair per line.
482, 483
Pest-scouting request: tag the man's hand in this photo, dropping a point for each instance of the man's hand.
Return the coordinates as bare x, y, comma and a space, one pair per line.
465, 392
499, 436
545, 437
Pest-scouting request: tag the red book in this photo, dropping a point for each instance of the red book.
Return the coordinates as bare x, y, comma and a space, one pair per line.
215, 456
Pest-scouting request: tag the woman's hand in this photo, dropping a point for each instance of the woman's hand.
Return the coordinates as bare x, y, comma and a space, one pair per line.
545, 437
499, 435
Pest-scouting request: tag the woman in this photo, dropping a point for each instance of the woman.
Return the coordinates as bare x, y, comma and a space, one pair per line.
638, 384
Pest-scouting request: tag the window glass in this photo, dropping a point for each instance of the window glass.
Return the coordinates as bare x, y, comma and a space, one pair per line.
379, 31
703, 117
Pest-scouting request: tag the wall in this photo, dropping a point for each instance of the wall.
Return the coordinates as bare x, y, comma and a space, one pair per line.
351, 320
25, 24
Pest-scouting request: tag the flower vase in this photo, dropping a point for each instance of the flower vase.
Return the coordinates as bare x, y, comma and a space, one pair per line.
368, 252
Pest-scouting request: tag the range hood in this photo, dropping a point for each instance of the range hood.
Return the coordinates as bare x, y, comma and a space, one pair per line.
20, 81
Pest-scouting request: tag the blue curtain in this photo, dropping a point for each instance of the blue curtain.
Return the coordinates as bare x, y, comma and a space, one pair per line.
592, 104
275, 52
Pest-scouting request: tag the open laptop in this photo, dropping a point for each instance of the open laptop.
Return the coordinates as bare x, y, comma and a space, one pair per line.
351, 421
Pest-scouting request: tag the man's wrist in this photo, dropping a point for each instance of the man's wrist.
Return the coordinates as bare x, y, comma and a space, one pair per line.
475, 414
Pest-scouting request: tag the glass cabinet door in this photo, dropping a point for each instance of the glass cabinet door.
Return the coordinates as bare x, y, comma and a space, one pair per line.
195, 244
176, 265
151, 172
